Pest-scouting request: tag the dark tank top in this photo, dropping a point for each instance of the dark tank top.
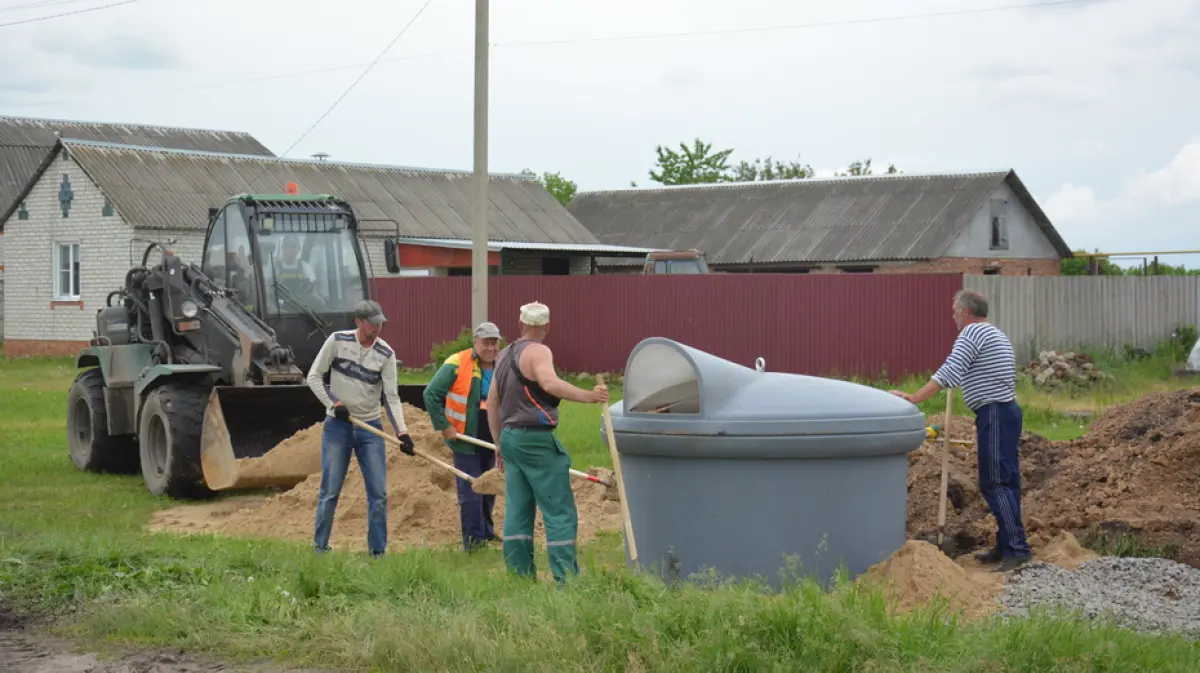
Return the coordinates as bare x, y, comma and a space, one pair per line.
523, 403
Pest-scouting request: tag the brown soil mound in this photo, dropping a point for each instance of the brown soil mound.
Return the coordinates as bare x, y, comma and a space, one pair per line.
1137, 470
298, 454
918, 574
422, 500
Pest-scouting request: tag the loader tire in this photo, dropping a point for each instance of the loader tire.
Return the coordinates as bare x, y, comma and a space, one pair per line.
92, 448
169, 441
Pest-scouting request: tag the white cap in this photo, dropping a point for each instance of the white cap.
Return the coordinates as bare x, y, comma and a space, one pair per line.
535, 314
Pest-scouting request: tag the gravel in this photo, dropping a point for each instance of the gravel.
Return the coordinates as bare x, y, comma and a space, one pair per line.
1147, 594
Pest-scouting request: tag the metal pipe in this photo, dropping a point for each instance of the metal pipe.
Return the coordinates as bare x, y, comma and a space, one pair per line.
1136, 254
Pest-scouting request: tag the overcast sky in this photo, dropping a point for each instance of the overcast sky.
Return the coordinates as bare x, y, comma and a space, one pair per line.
1095, 103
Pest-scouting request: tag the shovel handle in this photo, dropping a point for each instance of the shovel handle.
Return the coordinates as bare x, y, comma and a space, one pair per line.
945, 465
616, 460
369, 428
489, 445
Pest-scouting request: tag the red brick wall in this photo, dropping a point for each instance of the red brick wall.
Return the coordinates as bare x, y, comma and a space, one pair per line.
15, 348
976, 266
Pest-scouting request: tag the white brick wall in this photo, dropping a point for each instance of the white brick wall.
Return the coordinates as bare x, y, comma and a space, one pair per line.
1, 284
30, 262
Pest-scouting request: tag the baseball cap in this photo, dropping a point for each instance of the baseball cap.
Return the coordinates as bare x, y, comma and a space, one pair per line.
487, 330
370, 311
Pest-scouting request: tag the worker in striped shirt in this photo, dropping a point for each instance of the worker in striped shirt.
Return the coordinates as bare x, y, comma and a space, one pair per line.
983, 364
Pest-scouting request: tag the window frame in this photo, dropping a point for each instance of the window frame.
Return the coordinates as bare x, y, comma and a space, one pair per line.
75, 270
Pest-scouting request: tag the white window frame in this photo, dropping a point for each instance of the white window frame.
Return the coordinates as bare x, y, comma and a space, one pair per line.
77, 253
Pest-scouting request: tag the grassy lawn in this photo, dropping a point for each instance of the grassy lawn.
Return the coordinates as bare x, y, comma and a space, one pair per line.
73, 543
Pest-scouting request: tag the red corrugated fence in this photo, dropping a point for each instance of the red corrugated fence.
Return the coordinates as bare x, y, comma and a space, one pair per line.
847, 325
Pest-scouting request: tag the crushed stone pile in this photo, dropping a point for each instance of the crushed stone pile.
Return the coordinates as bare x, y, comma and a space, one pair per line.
422, 498
1136, 471
1148, 594
1054, 368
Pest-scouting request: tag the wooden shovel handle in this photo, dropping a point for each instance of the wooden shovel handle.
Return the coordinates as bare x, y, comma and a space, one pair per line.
945, 464
488, 445
616, 460
395, 440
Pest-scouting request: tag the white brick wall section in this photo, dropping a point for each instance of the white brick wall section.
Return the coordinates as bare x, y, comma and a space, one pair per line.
31, 264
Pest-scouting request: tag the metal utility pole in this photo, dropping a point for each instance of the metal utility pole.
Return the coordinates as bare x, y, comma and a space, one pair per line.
479, 251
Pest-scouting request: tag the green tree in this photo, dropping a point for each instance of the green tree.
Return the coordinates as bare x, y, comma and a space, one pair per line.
699, 164
562, 189
1078, 266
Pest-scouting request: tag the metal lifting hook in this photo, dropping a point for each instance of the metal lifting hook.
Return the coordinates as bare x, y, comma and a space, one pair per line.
760, 365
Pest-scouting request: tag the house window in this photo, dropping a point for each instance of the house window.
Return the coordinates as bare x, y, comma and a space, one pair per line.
998, 232
66, 286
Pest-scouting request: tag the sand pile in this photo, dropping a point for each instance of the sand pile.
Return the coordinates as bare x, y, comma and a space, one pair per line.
1137, 470
918, 574
422, 499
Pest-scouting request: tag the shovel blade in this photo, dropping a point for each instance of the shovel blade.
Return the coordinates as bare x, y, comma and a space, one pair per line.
247, 422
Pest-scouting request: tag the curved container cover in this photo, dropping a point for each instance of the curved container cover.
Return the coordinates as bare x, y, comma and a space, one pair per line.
682, 394
741, 472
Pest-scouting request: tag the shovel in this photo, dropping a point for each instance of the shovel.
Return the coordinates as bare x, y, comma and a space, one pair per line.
574, 473
395, 440
616, 459
948, 547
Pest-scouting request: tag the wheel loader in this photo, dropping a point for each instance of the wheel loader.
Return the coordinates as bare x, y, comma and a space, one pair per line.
195, 367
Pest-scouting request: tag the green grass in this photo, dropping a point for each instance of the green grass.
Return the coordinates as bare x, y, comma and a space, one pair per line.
73, 543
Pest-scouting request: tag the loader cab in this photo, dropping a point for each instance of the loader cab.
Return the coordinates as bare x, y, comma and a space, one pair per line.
295, 262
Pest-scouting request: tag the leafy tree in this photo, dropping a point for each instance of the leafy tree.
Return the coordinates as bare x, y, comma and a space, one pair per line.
691, 165
699, 164
1078, 266
562, 189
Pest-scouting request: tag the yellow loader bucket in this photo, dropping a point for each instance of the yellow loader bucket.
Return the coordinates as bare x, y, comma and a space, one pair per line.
247, 422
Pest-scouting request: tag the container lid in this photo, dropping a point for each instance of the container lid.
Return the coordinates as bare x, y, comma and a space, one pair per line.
673, 389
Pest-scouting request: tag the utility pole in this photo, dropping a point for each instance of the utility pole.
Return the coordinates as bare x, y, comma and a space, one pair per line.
479, 251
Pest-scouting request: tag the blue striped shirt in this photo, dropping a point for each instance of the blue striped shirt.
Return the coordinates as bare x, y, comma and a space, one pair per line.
983, 364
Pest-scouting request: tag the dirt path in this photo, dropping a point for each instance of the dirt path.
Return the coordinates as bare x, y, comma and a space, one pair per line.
23, 650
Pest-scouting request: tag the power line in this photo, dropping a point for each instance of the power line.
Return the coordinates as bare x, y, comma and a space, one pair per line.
72, 13
344, 93
619, 38
36, 5
793, 26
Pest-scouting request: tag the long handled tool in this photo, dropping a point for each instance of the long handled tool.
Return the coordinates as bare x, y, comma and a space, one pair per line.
941, 524
574, 473
616, 460
418, 452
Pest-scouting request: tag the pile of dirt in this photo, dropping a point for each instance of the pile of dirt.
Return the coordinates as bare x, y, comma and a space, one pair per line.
918, 574
422, 500
1138, 470
968, 520
1057, 368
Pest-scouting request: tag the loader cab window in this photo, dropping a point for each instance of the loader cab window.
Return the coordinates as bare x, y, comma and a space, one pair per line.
229, 258
311, 263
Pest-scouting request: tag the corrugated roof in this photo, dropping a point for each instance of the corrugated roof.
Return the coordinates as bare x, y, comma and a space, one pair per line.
496, 246
157, 188
25, 143
896, 217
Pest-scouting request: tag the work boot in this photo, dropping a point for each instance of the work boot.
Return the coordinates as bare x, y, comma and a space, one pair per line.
1012, 563
992, 555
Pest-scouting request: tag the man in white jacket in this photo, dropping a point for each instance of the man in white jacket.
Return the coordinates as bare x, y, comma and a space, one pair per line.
361, 369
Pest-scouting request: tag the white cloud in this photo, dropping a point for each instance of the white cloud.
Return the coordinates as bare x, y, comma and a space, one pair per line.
1176, 183
1072, 204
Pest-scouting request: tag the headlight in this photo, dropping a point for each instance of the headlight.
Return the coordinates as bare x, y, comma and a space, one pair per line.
189, 309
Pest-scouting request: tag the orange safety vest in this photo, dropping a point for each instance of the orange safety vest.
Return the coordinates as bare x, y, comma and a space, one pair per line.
460, 393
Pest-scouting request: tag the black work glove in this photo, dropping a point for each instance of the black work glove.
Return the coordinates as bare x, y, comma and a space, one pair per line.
342, 413
406, 444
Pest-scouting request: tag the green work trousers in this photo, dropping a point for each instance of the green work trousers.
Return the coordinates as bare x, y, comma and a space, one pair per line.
536, 476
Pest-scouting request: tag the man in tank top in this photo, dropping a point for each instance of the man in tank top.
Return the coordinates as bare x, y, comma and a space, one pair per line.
522, 410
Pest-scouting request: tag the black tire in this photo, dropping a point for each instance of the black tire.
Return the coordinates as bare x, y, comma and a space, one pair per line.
169, 441
92, 448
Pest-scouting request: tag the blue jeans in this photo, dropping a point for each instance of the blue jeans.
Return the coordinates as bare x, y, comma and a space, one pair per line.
338, 440
997, 438
475, 510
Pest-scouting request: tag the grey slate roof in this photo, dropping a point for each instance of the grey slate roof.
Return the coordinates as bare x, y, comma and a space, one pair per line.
155, 188
831, 220
26, 143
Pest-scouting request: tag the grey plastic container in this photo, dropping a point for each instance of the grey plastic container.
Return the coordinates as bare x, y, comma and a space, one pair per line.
746, 472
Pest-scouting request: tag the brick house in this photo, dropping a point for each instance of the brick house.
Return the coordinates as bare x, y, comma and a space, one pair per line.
27, 144
970, 223
88, 214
